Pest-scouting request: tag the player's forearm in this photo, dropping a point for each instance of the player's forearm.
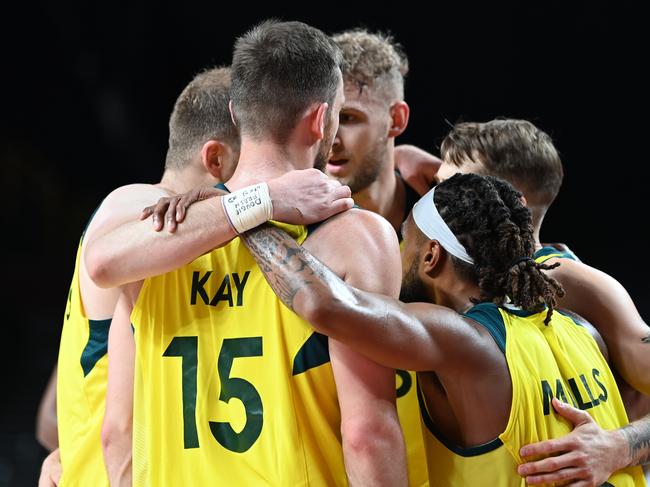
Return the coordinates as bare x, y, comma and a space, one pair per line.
117, 447
637, 441
135, 251
375, 325
375, 453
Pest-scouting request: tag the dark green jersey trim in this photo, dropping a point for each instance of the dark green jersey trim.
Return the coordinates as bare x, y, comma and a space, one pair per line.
522, 313
97, 345
546, 253
314, 352
471, 451
488, 315
221, 186
412, 197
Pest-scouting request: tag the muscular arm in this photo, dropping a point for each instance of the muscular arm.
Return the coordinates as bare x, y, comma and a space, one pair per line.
373, 445
379, 326
608, 306
118, 418
130, 250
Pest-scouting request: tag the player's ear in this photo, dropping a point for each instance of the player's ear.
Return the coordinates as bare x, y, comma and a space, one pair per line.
317, 120
432, 257
213, 155
399, 114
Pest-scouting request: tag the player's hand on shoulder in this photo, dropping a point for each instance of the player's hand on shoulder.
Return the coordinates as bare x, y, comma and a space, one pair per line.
307, 196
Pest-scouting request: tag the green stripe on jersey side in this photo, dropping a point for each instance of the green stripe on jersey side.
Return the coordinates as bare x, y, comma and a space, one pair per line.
314, 352
97, 345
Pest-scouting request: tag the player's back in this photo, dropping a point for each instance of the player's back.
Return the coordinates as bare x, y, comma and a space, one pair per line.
559, 359
231, 387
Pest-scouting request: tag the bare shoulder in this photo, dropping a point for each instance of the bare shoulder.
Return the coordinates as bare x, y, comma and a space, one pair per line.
572, 270
356, 226
122, 205
361, 248
133, 193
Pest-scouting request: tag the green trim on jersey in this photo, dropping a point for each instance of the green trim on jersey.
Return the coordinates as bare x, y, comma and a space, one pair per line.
488, 316
313, 353
470, 451
97, 345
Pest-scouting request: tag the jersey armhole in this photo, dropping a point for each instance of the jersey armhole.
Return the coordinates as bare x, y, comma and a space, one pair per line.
489, 317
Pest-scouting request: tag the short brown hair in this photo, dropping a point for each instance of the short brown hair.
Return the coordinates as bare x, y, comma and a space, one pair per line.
514, 150
201, 113
278, 70
374, 60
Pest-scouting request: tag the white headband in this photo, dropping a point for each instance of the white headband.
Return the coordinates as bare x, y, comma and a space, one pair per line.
429, 221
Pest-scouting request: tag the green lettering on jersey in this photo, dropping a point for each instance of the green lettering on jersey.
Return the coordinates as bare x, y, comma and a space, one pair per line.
603, 397
224, 293
197, 287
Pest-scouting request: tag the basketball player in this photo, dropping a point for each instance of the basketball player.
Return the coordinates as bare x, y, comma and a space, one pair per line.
204, 146
230, 386
524, 155
490, 355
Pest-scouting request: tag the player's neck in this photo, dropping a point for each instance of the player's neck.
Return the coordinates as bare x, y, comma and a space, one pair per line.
183, 180
456, 294
261, 161
385, 196
538, 215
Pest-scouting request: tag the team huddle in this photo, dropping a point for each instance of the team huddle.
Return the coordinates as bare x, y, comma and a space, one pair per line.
302, 302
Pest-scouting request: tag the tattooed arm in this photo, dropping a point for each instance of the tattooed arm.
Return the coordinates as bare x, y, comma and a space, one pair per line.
637, 436
588, 454
382, 328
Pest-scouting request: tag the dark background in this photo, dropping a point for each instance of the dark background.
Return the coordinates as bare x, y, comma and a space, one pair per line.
87, 91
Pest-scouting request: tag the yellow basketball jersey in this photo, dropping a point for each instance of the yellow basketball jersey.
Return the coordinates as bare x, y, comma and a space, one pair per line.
559, 360
409, 418
231, 387
81, 392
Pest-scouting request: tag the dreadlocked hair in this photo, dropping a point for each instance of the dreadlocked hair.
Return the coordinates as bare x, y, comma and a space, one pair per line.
488, 217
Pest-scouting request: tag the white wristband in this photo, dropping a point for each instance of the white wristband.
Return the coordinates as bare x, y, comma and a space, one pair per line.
248, 207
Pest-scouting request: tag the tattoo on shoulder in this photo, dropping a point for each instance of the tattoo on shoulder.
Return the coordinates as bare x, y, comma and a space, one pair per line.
646, 339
